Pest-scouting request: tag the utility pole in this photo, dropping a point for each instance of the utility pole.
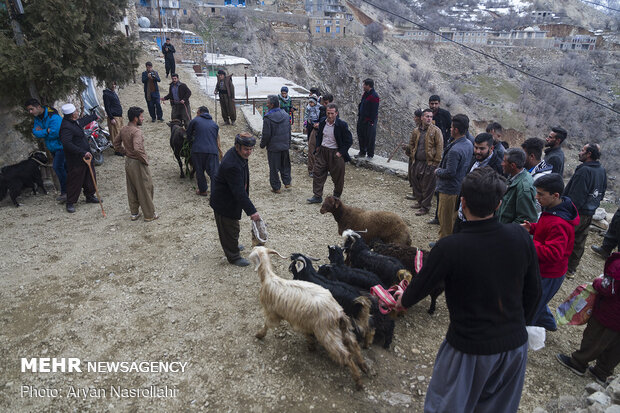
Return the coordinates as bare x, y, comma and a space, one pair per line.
15, 9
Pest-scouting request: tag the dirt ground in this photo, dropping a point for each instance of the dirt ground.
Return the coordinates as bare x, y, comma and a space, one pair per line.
108, 289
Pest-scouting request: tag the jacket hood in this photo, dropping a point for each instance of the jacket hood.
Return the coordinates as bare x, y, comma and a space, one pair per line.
286, 99
541, 167
566, 210
206, 116
277, 116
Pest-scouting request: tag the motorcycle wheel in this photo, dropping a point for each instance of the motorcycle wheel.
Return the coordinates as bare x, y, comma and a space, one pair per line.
98, 158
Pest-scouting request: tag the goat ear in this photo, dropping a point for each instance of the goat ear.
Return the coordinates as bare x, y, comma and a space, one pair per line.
254, 260
300, 265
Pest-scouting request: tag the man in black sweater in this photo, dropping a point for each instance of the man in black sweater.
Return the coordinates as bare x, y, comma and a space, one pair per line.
492, 285
553, 154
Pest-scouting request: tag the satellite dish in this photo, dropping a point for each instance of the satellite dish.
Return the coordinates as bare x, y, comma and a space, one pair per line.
144, 22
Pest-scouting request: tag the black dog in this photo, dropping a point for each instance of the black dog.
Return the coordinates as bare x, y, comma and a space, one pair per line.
177, 140
25, 174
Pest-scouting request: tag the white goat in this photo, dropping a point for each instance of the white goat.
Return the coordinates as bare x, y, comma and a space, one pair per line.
309, 309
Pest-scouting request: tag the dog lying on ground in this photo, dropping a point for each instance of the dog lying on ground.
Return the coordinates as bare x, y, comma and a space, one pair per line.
177, 140
25, 174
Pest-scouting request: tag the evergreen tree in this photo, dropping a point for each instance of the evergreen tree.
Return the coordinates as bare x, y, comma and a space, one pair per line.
63, 40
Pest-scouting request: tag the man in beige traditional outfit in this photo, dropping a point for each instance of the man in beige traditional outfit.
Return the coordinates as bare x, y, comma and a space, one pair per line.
139, 182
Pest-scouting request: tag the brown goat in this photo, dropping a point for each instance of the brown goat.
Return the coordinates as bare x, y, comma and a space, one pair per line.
383, 225
309, 309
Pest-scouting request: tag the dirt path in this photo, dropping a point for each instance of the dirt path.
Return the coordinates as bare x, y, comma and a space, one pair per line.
107, 289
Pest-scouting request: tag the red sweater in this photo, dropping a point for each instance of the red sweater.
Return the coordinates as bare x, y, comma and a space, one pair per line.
607, 305
554, 237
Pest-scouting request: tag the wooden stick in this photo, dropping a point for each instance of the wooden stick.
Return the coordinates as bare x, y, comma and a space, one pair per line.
92, 175
395, 150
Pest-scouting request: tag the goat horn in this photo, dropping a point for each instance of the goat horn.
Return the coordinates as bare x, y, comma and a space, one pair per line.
276, 253
366, 230
313, 259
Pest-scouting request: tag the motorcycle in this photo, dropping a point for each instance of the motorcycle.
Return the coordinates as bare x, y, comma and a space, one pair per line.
99, 141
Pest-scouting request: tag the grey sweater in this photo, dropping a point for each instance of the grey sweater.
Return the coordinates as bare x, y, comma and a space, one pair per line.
454, 166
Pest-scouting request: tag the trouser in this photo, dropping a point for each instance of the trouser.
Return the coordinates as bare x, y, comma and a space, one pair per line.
229, 111
181, 111
205, 162
543, 316
155, 108
78, 177
139, 187
170, 66
601, 344
279, 166
581, 234
228, 231
464, 382
115, 129
311, 148
612, 236
366, 134
423, 182
60, 168
446, 212
327, 161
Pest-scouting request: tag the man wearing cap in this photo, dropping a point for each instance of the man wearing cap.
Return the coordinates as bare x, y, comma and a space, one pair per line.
76, 149
150, 78
230, 193
286, 103
179, 94
169, 51
226, 90
276, 137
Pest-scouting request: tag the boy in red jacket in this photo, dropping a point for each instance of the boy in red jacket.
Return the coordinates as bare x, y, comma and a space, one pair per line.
554, 236
601, 338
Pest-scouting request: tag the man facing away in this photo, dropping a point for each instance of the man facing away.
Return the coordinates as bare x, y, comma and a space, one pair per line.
150, 78
586, 188
203, 135
179, 95
230, 194
276, 137
114, 111
425, 147
47, 123
368, 112
168, 50
450, 173
226, 91
554, 155
519, 202
333, 141
137, 174
480, 366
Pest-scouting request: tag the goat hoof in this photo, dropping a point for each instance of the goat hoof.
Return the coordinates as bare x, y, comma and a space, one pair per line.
260, 335
431, 311
182, 176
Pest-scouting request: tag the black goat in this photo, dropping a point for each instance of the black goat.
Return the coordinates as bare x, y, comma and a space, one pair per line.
356, 306
338, 271
381, 324
359, 255
25, 174
177, 141
407, 255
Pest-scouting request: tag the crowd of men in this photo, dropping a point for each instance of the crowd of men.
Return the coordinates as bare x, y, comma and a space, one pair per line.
497, 208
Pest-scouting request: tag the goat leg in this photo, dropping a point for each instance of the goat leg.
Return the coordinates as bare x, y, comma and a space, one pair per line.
178, 157
262, 332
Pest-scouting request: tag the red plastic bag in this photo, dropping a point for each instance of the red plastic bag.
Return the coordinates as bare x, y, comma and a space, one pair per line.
577, 308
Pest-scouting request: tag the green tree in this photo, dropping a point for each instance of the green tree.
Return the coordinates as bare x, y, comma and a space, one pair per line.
63, 40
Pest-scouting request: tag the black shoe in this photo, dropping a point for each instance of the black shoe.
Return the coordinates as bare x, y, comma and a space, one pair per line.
70, 208
241, 262
432, 244
160, 120
152, 120
600, 251
370, 156
92, 199
314, 200
597, 377
118, 153
434, 221
360, 155
568, 363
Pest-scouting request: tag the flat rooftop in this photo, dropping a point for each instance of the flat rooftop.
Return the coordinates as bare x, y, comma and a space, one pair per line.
259, 89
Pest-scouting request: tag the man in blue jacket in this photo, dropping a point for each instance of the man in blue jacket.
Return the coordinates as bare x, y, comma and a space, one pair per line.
368, 112
230, 193
47, 127
203, 134
150, 78
333, 141
276, 137
586, 189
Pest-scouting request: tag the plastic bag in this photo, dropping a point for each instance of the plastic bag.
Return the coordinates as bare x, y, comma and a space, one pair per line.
577, 308
535, 337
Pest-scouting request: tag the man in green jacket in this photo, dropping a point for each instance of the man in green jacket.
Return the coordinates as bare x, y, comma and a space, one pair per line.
519, 202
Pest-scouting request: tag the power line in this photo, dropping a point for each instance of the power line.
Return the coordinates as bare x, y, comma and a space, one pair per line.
600, 5
493, 58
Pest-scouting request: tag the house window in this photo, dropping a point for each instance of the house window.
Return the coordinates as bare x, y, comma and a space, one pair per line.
212, 9
337, 21
185, 12
318, 29
338, 29
327, 29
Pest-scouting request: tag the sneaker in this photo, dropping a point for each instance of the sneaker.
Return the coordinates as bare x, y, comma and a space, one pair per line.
152, 120
570, 274
117, 153
275, 191
135, 217
597, 377
232, 123
62, 198
360, 155
151, 219
160, 120
421, 211
314, 200
567, 362
410, 197
310, 174
92, 199
370, 156
289, 186
600, 251
434, 221
432, 244
241, 262
70, 208
205, 193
